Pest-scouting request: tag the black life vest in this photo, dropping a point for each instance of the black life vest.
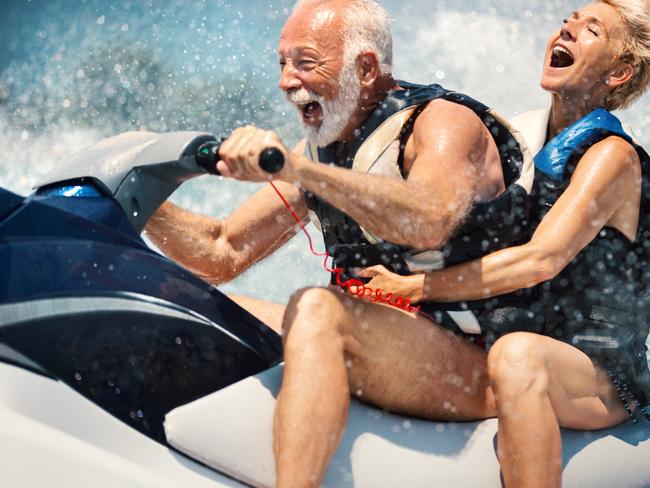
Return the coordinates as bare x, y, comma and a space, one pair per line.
600, 302
378, 148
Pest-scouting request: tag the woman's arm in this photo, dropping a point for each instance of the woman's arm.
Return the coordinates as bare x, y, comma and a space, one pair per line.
605, 189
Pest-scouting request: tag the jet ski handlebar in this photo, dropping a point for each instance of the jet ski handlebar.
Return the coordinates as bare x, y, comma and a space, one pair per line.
140, 170
207, 156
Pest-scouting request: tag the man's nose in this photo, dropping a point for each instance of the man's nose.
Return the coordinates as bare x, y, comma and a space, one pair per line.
289, 80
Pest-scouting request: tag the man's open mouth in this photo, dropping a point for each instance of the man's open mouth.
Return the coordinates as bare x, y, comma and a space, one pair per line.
312, 112
561, 57
309, 109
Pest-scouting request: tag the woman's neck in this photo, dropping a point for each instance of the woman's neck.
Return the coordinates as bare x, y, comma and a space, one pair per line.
565, 111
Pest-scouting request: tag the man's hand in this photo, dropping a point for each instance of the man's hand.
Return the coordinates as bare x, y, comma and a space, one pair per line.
240, 155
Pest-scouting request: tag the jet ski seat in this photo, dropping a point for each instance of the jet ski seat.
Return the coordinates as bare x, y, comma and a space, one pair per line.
231, 431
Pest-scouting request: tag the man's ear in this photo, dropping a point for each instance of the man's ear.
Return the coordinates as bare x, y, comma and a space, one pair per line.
367, 68
620, 74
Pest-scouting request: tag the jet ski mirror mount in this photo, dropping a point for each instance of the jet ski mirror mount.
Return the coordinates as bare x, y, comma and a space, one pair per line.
140, 170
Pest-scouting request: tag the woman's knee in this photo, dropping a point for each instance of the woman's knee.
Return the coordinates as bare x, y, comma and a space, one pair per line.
516, 366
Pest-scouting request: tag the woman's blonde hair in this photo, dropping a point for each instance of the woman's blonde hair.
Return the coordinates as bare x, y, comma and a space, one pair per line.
636, 51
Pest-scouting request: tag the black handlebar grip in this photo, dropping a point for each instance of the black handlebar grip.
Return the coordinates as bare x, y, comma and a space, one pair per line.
271, 160
207, 156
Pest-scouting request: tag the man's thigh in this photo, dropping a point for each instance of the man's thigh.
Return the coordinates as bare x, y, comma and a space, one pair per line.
268, 312
408, 364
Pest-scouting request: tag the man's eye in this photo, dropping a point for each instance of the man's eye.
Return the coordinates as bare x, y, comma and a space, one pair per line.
594, 32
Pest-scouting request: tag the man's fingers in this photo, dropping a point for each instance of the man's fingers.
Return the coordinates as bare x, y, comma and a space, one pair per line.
241, 153
242, 145
231, 146
223, 169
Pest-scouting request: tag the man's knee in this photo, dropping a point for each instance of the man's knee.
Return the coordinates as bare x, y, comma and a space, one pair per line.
311, 311
516, 366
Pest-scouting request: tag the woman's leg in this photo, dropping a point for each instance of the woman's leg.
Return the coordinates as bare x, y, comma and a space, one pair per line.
541, 384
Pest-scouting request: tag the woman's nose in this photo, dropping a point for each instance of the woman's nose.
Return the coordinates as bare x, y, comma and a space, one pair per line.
567, 31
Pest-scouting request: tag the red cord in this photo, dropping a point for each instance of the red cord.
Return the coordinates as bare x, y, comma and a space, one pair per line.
361, 290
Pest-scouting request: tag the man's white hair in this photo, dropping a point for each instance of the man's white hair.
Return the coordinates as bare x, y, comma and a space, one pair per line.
366, 28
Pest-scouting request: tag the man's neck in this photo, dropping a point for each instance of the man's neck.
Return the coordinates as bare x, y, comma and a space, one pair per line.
367, 105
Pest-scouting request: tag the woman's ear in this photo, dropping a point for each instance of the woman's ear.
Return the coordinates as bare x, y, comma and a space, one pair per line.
621, 74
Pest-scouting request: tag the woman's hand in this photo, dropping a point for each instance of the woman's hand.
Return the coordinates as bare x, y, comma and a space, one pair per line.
410, 287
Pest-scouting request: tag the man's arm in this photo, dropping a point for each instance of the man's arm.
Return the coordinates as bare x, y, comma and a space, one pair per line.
449, 144
220, 250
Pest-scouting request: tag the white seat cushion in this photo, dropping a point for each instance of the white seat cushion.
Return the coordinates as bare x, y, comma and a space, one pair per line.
231, 431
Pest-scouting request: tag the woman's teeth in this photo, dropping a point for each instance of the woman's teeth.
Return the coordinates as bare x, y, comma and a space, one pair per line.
561, 57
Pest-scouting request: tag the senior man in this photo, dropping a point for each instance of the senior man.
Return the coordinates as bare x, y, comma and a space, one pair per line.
410, 180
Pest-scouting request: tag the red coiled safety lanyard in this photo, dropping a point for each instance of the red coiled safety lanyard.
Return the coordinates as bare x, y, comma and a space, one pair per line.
353, 286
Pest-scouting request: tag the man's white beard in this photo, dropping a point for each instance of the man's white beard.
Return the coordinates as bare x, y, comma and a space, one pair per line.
336, 113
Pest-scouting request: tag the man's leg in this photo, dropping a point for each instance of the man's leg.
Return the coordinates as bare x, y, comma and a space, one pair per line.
268, 312
540, 384
334, 344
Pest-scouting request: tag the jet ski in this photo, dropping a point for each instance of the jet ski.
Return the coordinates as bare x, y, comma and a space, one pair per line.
118, 367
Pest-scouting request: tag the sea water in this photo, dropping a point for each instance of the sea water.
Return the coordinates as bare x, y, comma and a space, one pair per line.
72, 73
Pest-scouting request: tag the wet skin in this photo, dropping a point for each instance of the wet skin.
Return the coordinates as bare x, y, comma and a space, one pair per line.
322, 326
529, 373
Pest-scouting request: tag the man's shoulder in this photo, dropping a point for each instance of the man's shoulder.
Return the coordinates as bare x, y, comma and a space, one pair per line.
444, 115
444, 106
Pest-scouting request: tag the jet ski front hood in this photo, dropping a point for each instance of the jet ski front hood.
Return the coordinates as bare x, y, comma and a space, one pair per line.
138, 169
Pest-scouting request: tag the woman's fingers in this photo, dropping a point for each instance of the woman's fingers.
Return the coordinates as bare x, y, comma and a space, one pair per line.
372, 271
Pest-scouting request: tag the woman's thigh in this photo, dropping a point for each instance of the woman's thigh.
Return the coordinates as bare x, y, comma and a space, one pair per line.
581, 392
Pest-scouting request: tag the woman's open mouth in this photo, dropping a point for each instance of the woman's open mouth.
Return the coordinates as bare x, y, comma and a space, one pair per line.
561, 57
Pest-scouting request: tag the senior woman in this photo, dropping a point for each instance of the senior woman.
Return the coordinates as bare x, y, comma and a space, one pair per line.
585, 367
